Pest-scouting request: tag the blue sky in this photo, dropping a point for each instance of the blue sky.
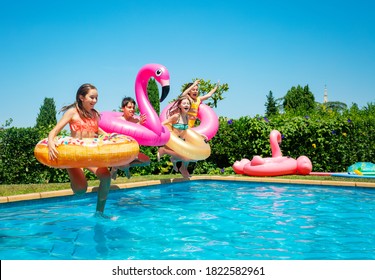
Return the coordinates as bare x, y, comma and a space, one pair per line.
50, 48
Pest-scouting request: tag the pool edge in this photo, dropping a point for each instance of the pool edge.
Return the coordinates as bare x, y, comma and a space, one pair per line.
69, 192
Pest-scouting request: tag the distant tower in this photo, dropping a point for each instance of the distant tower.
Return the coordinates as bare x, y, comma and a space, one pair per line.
325, 99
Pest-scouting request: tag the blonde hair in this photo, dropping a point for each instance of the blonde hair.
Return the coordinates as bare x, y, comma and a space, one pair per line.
174, 109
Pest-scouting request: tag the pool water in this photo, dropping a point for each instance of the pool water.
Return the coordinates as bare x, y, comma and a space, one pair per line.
196, 220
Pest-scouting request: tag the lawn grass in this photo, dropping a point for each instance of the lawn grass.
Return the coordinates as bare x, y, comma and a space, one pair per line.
9, 190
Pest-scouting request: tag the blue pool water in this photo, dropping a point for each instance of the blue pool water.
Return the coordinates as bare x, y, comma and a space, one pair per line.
196, 220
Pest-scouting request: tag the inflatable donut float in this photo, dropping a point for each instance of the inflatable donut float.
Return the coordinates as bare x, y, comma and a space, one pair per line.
104, 151
193, 147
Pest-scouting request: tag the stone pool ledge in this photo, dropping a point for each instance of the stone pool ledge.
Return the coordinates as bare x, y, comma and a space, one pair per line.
69, 192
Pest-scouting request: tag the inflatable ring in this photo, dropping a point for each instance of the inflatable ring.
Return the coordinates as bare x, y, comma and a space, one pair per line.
209, 124
152, 132
104, 151
276, 165
113, 122
193, 147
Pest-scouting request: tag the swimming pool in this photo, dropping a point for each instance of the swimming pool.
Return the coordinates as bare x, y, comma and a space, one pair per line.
196, 220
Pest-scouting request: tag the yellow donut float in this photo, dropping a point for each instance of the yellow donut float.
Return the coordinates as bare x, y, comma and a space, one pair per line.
104, 151
193, 147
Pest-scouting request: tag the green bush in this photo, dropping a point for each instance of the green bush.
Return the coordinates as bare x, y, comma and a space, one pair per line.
333, 141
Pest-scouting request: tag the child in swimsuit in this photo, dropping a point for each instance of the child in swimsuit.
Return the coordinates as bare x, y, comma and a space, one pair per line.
192, 92
128, 108
178, 119
83, 121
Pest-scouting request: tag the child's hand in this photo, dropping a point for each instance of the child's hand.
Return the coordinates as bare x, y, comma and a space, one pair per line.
142, 119
196, 82
52, 151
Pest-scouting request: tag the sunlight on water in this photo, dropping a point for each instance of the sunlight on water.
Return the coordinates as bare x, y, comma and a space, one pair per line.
196, 220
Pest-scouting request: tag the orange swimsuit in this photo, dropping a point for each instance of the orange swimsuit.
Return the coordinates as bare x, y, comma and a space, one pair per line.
87, 126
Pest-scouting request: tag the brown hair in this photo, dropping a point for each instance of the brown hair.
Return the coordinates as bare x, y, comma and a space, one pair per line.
83, 90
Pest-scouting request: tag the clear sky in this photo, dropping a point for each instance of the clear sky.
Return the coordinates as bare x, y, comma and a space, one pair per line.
49, 48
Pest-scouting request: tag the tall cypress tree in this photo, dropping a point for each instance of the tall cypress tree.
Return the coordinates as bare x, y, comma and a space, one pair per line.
47, 114
271, 108
153, 95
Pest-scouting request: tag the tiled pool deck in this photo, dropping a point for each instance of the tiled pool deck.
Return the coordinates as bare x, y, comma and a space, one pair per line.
41, 195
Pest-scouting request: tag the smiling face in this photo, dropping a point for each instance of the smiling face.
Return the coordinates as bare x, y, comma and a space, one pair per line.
194, 93
89, 100
184, 105
128, 110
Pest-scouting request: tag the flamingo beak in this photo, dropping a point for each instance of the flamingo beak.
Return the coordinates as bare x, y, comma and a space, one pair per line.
164, 92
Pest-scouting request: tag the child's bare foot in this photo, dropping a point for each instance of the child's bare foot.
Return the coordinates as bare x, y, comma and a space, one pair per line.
114, 173
184, 172
127, 173
174, 161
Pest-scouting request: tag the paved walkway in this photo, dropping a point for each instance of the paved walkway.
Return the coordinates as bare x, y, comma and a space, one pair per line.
41, 195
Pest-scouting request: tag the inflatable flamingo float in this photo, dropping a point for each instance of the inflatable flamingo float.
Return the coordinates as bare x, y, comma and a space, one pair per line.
273, 166
152, 132
194, 146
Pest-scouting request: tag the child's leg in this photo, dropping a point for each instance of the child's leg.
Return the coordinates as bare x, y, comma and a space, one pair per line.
174, 162
105, 182
183, 169
114, 172
78, 181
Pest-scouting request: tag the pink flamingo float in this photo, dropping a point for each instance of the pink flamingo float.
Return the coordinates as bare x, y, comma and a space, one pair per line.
152, 132
273, 166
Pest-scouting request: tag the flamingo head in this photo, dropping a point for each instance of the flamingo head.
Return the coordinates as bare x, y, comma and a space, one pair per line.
304, 165
161, 75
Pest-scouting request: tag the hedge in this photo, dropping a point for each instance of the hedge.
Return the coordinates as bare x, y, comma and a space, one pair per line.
332, 141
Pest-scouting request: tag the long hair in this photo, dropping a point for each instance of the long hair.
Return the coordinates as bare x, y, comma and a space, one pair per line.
174, 109
83, 90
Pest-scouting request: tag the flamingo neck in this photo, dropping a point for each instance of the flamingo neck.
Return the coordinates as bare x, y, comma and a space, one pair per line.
152, 119
275, 139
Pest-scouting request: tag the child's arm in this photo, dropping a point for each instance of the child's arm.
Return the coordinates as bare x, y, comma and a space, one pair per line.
208, 95
52, 151
141, 119
185, 93
171, 120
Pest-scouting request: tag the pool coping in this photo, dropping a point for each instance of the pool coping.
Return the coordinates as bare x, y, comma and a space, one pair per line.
69, 192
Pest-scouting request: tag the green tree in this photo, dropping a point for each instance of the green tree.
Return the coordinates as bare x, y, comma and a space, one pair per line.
271, 106
6, 124
336, 106
47, 114
153, 95
299, 99
206, 86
